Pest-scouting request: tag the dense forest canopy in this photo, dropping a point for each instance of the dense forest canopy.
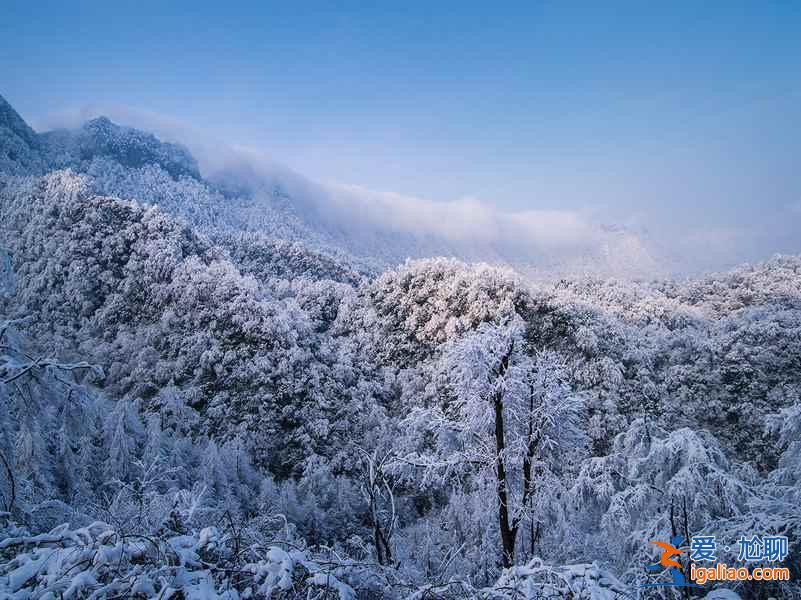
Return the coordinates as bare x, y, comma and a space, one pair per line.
205, 395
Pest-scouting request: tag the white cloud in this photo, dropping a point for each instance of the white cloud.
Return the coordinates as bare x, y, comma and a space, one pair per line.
468, 220
465, 220
537, 236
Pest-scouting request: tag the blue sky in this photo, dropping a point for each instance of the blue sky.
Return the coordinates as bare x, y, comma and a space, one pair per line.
680, 117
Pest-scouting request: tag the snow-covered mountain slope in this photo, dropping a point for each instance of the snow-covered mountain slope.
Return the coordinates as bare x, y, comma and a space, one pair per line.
20, 151
369, 231
205, 392
133, 165
129, 147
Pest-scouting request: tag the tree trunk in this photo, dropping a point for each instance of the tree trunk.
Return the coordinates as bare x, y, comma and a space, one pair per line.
508, 533
528, 460
381, 545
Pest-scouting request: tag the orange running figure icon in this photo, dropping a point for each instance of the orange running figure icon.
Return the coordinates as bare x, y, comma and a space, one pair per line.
669, 551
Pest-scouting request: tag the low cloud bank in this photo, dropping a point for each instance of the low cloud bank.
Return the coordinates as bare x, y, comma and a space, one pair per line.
464, 221
548, 237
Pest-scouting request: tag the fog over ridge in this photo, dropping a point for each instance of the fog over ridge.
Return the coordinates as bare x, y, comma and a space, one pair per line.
550, 238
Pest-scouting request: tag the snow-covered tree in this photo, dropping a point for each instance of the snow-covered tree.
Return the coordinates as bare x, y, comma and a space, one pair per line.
509, 419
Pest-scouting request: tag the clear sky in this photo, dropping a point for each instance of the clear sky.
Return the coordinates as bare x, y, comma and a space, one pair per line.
682, 117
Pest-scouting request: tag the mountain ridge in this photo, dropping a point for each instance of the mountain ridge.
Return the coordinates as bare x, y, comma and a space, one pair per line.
344, 223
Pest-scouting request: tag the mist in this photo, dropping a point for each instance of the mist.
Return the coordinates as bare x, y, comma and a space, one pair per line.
660, 237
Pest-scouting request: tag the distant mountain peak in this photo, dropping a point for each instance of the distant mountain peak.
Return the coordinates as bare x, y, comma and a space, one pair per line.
23, 151
19, 144
11, 120
134, 148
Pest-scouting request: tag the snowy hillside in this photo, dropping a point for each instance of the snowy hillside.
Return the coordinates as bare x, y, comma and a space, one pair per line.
213, 388
374, 230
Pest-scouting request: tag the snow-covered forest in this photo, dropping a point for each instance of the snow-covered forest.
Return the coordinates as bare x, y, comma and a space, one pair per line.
205, 393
